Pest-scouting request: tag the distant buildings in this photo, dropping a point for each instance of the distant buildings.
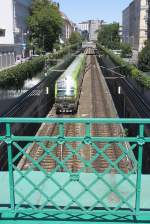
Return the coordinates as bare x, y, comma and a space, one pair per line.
91, 26
13, 30
94, 26
84, 26
135, 24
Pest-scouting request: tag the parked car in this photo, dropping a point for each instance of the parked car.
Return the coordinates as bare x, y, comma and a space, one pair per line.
18, 60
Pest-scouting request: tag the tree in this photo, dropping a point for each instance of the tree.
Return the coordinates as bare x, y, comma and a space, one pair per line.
44, 24
75, 38
108, 36
85, 35
144, 58
126, 50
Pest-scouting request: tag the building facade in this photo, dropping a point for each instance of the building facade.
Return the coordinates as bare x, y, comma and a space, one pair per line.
94, 26
135, 25
84, 26
148, 20
67, 29
132, 20
125, 25
141, 24
91, 26
13, 30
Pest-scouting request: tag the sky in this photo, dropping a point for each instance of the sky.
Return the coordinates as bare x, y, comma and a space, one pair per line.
107, 10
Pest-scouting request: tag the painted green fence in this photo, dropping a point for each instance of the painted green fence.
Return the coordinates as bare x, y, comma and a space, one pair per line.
81, 177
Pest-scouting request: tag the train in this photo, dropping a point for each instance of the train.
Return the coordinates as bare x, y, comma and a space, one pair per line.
68, 86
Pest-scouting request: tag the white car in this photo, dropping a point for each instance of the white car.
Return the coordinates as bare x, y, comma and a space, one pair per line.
18, 60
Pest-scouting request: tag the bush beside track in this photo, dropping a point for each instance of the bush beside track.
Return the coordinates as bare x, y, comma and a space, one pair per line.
63, 51
126, 68
19, 73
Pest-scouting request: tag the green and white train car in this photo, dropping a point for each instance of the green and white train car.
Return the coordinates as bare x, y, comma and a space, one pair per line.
68, 86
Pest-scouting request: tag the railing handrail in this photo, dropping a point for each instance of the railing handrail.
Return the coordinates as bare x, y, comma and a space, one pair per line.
76, 120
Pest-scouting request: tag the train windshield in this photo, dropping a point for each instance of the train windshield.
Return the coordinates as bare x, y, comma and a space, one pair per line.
65, 87
65, 92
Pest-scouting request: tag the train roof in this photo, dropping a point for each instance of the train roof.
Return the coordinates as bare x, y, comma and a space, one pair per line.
73, 68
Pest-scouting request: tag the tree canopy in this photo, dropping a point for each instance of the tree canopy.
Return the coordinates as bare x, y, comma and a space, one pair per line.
75, 38
44, 24
144, 58
108, 36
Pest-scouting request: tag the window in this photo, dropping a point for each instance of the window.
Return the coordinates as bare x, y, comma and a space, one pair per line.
68, 92
2, 33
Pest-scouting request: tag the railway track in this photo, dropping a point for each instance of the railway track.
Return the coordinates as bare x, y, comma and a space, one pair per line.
100, 108
142, 108
38, 154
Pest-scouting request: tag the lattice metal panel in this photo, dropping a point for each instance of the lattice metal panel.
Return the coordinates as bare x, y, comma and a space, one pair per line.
75, 173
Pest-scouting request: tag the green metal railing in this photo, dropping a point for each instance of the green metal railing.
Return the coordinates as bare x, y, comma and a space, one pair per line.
60, 189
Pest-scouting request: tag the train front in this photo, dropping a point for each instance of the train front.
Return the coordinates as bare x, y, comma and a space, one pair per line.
65, 95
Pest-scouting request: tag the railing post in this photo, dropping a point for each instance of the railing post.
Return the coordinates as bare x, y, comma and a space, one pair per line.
139, 171
61, 136
88, 130
10, 168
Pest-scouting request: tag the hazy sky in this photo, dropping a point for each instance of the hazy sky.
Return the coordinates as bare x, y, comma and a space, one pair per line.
80, 10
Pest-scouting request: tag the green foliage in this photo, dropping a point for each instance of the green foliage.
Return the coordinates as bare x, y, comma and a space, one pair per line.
108, 36
44, 24
134, 72
75, 38
126, 68
63, 51
126, 50
144, 58
145, 80
57, 46
16, 75
85, 35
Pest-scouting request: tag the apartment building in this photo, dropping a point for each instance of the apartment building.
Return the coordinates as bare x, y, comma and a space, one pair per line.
84, 26
135, 25
148, 20
67, 29
13, 30
125, 25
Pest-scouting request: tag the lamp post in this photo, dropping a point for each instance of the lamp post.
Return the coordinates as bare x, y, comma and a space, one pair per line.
24, 42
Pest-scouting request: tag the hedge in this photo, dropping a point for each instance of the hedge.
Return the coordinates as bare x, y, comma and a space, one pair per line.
63, 51
126, 68
15, 76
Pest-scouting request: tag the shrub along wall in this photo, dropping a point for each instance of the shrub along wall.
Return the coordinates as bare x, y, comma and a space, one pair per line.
63, 51
126, 68
21, 72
